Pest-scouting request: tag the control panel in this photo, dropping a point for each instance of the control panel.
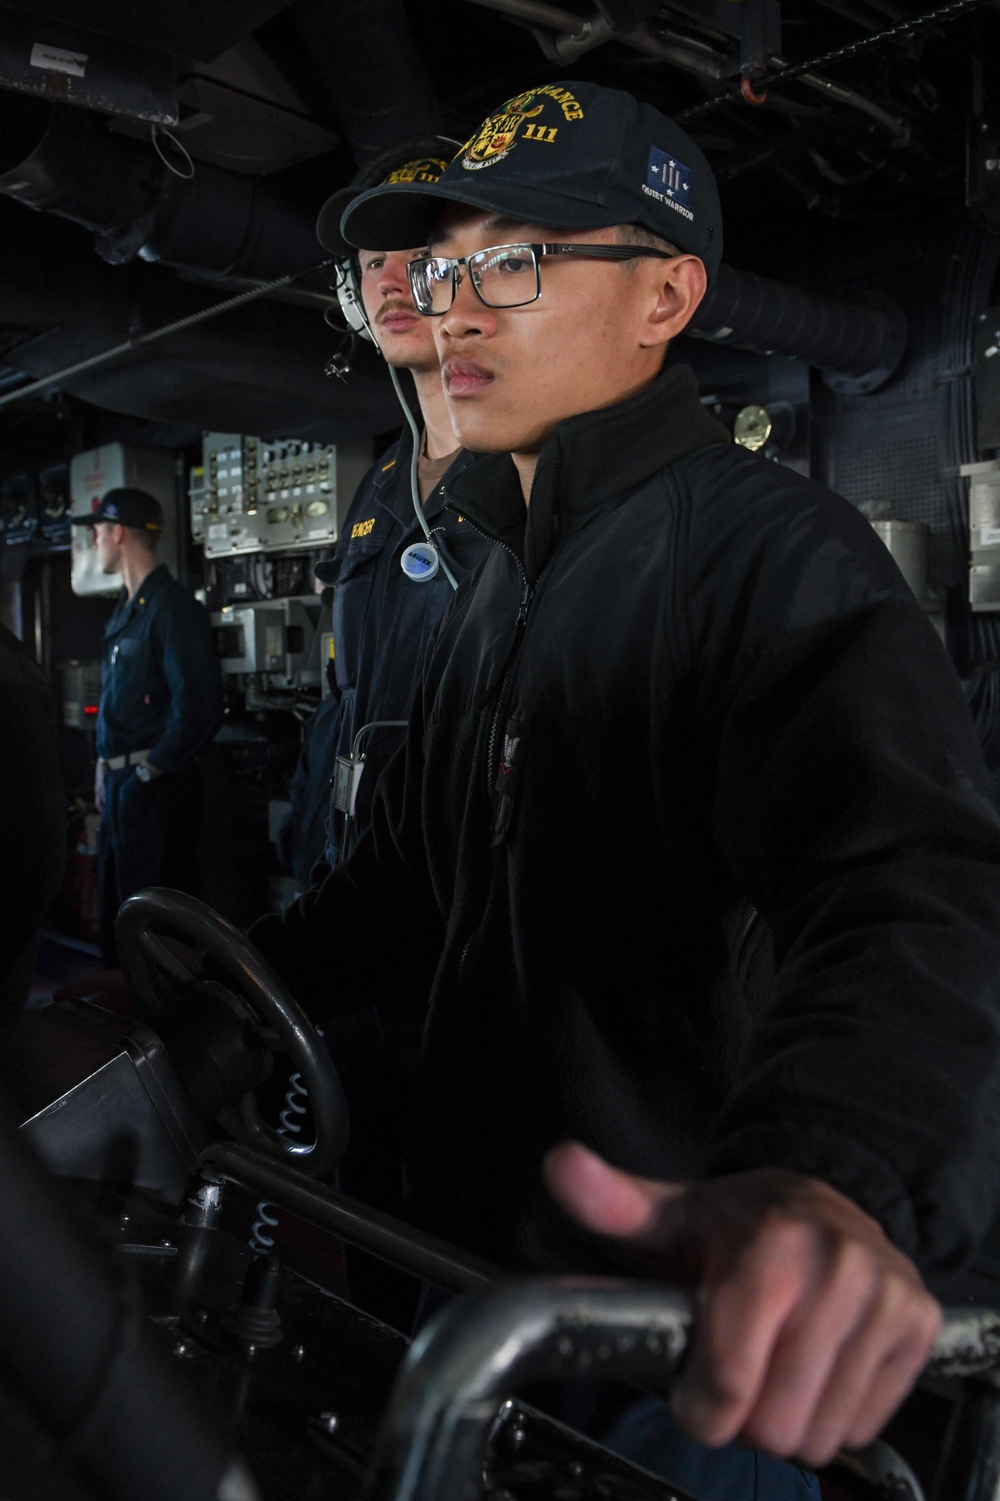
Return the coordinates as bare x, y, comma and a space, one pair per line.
252, 495
54, 502
31, 503
18, 507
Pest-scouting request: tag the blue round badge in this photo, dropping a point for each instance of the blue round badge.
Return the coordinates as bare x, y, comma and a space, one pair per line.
420, 562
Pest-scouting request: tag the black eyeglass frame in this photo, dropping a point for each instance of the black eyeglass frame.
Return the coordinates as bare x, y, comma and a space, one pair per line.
594, 252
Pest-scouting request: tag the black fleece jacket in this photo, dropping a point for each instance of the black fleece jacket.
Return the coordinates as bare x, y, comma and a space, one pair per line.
688, 854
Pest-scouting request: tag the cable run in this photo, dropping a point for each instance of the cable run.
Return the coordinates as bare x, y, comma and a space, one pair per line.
792, 71
107, 355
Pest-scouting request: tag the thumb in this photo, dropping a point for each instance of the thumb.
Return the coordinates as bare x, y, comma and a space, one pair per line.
609, 1201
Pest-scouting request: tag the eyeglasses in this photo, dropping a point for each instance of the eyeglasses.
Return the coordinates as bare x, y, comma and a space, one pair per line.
503, 276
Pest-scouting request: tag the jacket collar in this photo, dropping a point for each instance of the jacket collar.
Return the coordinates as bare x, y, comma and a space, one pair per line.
590, 460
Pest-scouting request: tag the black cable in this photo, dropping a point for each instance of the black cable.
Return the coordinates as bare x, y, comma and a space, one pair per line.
140, 340
829, 59
967, 291
853, 49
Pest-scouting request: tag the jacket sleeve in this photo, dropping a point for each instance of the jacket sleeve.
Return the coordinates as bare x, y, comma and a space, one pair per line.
372, 933
194, 680
852, 805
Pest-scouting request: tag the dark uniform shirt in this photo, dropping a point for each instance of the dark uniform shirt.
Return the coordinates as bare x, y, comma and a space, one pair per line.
382, 620
161, 688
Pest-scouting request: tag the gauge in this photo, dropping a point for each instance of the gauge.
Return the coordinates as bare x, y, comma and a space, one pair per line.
752, 427
277, 515
317, 508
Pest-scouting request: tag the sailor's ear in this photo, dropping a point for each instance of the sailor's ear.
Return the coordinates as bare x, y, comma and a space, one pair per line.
677, 287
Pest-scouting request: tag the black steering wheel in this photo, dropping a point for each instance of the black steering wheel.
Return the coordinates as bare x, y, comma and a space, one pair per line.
155, 971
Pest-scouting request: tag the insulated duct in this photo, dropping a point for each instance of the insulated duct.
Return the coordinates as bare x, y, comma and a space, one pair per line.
857, 345
375, 77
55, 159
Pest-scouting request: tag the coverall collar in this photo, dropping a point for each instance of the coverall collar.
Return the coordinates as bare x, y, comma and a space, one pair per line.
125, 608
391, 482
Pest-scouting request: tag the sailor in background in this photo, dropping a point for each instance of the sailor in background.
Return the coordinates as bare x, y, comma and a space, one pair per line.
161, 702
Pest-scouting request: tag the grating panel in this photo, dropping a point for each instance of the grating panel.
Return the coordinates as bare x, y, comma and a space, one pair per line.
898, 477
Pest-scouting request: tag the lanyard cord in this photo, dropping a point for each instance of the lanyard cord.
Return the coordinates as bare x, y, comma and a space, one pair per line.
415, 479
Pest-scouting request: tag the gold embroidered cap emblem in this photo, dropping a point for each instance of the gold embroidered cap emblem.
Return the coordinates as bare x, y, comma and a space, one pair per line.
498, 135
423, 169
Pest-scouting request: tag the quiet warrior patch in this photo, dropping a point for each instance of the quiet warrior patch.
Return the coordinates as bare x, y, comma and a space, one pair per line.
668, 181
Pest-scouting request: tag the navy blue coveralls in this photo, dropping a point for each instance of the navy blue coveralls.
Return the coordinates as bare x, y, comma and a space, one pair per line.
161, 692
382, 620
301, 837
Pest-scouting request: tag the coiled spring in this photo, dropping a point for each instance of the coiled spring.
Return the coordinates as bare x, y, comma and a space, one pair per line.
261, 1241
296, 1106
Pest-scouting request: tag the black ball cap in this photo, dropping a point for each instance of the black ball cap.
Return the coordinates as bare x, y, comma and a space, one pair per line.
423, 167
565, 156
127, 506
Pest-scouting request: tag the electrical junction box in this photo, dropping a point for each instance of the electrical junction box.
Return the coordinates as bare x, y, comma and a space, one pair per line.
277, 639
257, 495
91, 476
984, 533
81, 694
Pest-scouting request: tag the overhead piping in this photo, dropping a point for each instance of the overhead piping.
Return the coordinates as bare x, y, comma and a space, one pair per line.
53, 158
369, 64
228, 225
575, 35
140, 340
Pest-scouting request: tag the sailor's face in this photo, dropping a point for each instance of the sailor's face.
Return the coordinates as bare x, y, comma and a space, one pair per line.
512, 374
106, 544
405, 339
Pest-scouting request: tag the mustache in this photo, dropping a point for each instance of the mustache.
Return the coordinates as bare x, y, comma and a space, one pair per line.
395, 305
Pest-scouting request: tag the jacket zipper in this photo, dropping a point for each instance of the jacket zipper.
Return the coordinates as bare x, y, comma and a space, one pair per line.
751, 922
527, 593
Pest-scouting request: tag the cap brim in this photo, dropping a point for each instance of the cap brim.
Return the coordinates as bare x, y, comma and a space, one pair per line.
403, 216
328, 223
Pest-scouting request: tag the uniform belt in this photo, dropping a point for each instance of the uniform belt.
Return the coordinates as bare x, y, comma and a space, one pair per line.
131, 758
